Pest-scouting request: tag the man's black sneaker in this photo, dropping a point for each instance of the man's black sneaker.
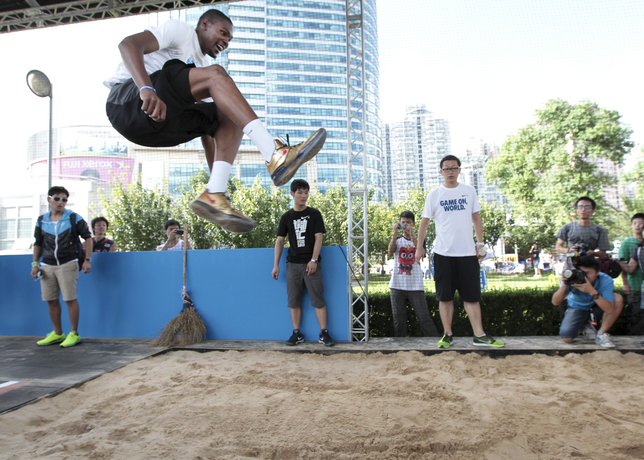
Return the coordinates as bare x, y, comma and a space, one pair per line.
325, 338
296, 338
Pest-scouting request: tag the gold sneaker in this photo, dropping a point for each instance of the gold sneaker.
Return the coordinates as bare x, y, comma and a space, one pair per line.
216, 208
287, 159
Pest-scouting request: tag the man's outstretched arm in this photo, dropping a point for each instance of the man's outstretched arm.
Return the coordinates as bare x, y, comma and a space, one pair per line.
132, 50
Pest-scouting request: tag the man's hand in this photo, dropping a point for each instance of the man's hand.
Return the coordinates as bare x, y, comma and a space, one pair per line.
34, 272
311, 267
276, 272
395, 228
626, 288
87, 267
585, 287
420, 253
173, 235
152, 105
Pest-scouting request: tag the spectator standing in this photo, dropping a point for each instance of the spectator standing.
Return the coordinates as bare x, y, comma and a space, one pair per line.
584, 231
455, 208
633, 279
172, 230
406, 285
535, 251
56, 241
305, 229
100, 242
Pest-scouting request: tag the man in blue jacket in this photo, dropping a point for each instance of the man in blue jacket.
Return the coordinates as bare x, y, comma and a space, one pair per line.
56, 234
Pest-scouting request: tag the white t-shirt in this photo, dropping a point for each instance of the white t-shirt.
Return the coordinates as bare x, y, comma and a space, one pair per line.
407, 275
452, 209
176, 247
177, 40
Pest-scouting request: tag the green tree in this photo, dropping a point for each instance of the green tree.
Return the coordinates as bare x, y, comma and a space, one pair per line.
545, 166
137, 216
332, 204
495, 222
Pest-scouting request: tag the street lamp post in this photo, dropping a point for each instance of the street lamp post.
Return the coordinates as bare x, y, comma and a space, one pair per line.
40, 85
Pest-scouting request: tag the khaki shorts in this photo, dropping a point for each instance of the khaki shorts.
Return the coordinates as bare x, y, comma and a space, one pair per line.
57, 278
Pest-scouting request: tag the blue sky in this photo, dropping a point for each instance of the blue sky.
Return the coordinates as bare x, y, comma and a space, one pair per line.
484, 65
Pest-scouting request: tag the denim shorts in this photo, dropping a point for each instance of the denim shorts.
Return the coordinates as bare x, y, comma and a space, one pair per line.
574, 320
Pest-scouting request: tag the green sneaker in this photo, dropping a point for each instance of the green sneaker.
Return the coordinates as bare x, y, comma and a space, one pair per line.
72, 339
446, 341
51, 339
487, 341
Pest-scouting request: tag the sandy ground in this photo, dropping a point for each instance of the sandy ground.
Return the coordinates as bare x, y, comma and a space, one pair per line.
237, 405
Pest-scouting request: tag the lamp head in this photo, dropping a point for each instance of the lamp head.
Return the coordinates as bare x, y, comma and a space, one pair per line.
38, 83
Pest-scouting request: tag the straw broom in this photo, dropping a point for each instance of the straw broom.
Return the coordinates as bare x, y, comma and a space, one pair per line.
187, 328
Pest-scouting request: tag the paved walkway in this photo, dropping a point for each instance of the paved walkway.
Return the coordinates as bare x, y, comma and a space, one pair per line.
29, 373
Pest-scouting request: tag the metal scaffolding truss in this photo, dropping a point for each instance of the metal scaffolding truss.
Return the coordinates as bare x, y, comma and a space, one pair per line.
18, 15
357, 247
47, 13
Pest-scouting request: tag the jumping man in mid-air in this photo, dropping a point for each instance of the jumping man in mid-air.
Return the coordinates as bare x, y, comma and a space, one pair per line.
165, 93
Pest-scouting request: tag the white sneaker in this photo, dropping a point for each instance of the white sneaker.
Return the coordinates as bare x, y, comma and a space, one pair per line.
603, 339
588, 331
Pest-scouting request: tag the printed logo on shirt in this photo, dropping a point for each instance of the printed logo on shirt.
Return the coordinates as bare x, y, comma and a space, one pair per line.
454, 205
406, 259
190, 60
300, 229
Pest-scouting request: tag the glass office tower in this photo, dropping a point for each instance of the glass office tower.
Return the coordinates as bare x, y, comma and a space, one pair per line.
289, 59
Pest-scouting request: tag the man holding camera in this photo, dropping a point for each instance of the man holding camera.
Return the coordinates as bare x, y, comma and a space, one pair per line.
585, 290
583, 231
590, 239
406, 285
175, 237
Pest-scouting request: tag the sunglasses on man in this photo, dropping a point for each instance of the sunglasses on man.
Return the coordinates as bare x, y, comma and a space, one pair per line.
57, 198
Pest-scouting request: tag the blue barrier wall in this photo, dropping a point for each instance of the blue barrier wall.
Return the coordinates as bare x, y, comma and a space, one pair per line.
134, 294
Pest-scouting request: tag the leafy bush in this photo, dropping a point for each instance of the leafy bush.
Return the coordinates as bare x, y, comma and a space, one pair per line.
506, 313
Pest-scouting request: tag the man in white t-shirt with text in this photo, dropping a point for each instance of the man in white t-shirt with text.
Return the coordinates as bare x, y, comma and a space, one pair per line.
455, 208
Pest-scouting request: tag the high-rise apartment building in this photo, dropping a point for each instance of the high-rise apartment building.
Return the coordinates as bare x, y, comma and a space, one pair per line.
415, 147
289, 59
477, 153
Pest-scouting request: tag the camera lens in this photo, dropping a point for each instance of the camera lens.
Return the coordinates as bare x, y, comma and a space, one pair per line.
567, 273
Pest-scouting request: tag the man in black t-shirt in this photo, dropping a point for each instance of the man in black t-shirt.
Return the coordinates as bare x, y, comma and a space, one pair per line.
305, 229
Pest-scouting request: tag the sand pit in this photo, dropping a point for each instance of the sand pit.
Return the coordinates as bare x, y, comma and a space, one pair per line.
237, 405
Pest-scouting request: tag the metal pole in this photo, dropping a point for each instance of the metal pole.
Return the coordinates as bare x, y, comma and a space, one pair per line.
51, 136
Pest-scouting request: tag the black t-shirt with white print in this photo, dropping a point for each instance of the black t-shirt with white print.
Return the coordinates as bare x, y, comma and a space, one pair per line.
301, 227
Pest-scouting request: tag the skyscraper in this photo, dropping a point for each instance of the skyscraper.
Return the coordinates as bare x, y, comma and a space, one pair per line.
415, 147
289, 59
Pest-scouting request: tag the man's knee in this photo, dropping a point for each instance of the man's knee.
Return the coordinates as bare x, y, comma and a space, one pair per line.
216, 71
619, 303
567, 340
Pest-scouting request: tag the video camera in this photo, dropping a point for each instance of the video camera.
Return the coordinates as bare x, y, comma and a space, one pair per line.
575, 275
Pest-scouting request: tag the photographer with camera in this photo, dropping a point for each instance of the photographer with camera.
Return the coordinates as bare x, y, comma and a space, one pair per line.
583, 238
175, 237
406, 285
571, 236
586, 288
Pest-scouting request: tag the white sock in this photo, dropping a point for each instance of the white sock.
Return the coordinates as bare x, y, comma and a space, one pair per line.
261, 138
219, 177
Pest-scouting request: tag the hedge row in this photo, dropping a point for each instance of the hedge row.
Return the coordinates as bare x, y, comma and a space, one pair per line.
521, 312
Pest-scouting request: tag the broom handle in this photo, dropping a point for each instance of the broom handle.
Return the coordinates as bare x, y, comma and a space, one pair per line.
185, 252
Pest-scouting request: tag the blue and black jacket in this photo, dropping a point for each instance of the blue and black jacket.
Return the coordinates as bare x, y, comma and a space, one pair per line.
56, 239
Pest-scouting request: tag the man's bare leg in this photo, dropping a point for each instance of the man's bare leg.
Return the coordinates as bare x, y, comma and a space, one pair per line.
446, 310
610, 318
320, 314
282, 161
214, 82
296, 317
473, 310
54, 315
